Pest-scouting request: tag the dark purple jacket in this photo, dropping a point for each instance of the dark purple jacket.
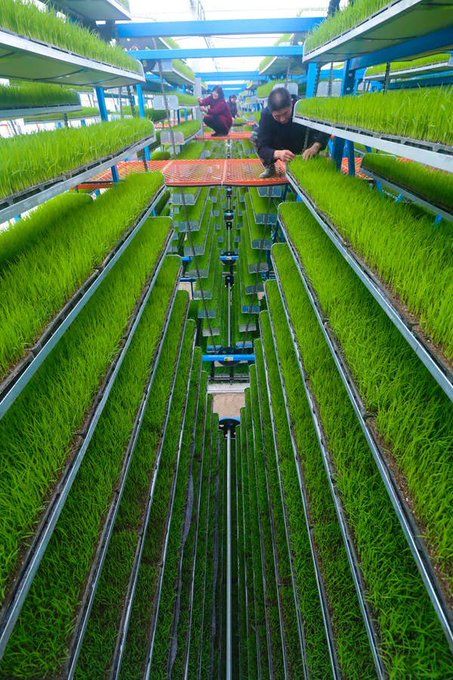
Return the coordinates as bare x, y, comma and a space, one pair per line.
219, 108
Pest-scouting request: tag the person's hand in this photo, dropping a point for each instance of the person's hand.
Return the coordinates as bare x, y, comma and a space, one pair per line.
200, 100
280, 167
312, 151
284, 155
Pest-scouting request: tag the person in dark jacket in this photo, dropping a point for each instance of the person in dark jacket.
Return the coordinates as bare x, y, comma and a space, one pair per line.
279, 138
218, 116
232, 103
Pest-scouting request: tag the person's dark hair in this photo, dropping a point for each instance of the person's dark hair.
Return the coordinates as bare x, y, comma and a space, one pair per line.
219, 91
279, 99
233, 96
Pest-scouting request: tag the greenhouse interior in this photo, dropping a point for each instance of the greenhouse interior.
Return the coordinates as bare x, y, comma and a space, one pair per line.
226, 340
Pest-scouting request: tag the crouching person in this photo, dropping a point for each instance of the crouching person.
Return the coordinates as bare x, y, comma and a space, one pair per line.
279, 139
218, 116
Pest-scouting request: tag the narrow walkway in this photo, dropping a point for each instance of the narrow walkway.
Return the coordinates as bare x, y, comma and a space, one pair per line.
243, 172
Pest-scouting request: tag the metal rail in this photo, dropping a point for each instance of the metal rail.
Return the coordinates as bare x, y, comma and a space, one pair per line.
331, 473
414, 198
299, 619
163, 562
439, 370
403, 512
11, 206
26, 111
335, 666
133, 578
12, 386
106, 533
30, 563
428, 153
228, 672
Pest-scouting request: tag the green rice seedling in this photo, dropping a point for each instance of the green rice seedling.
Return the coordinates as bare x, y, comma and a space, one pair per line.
255, 538
412, 641
412, 414
184, 610
183, 68
290, 613
32, 95
252, 283
253, 655
351, 642
28, 20
29, 160
409, 253
264, 90
155, 115
256, 259
188, 128
191, 151
171, 582
161, 156
40, 642
412, 64
62, 255
23, 234
317, 654
271, 577
206, 649
435, 186
144, 608
342, 21
36, 449
219, 650
102, 631
422, 114
185, 99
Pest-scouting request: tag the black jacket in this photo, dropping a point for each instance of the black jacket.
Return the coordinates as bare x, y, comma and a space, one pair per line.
274, 136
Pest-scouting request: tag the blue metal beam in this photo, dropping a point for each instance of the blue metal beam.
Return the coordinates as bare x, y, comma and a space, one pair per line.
410, 48
161, 29
214, 52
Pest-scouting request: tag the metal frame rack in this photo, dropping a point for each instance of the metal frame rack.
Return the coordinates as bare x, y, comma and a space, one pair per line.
406, 28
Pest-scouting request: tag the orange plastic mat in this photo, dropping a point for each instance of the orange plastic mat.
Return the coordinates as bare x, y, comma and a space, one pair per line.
243, 172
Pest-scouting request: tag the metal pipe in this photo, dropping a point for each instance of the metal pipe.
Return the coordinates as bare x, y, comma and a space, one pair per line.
228, 673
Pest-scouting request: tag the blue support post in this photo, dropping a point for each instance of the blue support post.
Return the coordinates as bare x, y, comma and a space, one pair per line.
313, 72
337, 151
358, 78
142, 112
349, 147
100, 94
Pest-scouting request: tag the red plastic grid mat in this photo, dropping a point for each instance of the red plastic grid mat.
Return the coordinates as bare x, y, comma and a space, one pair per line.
187, 173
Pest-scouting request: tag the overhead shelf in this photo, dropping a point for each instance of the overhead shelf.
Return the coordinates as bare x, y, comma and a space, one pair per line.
95, 10
401, 21
15, 205
58, 111
428, 153
429, 69
33, 60
435, 364
172, 74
